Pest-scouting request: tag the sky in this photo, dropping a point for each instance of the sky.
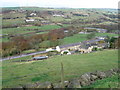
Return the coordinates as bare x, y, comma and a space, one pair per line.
61, 3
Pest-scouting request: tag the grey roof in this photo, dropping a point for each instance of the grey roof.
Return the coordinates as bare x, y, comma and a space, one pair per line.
99, 29
103, 44
85, 44
40, 57
69, 45
92, 41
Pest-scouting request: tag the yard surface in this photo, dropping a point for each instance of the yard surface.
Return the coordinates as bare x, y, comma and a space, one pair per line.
15, 73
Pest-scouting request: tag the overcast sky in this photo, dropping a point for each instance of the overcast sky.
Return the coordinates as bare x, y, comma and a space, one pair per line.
62, 3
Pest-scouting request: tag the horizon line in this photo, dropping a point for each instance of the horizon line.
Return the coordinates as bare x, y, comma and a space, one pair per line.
59, 7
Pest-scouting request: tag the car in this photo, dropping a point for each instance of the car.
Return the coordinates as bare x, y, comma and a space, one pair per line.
40, 57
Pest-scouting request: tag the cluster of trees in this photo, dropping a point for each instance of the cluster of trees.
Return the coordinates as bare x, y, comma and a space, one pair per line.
114, 43
21, 43
55, 36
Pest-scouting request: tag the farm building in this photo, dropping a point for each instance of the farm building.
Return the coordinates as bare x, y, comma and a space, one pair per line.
73, 46
29, 20
83, 47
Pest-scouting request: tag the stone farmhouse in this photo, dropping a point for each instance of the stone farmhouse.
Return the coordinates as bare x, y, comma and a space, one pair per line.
83, 47
73, 46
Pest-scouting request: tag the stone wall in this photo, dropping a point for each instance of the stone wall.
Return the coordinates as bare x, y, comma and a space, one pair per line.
83, 80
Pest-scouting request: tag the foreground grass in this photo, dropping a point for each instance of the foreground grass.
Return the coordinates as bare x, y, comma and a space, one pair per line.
110, 82
15, 73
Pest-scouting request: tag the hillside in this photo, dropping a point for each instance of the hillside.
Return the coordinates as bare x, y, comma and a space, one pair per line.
49, 70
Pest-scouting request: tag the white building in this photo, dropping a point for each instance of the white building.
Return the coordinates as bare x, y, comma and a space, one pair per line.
29, 20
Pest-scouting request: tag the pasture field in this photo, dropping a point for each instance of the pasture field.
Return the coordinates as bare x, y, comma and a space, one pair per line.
15, 73
106, 34
110, 82
13, 22
24, 30
29, 29
82, 37
75, 38
4, 39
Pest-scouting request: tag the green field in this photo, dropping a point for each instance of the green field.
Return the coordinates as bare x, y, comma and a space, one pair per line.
110, 82
12, 22
24, 30
76, 38
4, 39
82, 37
28, 29
15, 73
106, 34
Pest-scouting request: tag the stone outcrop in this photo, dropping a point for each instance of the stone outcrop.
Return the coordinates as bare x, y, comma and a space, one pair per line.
84, 80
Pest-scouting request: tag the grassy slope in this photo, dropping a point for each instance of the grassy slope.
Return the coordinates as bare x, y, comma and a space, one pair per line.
81, 37
23, 30
4, 39
110, 82
76, 38
49, 70
10, 22
26, 29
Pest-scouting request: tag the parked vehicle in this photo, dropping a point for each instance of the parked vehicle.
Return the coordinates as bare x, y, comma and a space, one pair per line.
40, 57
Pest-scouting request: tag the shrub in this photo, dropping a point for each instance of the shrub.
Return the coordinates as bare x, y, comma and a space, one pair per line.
100, 49
95, 49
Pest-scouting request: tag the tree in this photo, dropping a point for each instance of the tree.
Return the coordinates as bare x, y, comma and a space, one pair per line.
21, 43
113, 42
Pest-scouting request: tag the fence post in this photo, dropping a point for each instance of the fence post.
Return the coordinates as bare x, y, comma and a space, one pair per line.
62, 75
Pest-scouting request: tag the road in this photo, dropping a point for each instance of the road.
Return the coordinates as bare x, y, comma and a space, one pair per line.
23, 55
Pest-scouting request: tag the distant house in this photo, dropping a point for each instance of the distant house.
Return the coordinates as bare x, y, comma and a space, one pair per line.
50, 49
29, 20
58, 15
66, 31
73, 46
100, 30
33, 14
83, 32
102, 37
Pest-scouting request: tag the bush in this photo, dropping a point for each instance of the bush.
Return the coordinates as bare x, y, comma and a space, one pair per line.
95, 49
100, 49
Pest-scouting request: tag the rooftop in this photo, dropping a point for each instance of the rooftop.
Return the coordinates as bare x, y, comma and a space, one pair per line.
81, 43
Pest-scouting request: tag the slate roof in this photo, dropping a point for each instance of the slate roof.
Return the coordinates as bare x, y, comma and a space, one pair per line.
85, 44
92, 41
69, 45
